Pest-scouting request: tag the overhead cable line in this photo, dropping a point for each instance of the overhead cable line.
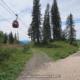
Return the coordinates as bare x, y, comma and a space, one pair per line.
9, 9
5, 8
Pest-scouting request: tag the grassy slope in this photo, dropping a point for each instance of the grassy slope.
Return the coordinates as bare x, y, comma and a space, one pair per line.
11, 67
78, 41
58, 50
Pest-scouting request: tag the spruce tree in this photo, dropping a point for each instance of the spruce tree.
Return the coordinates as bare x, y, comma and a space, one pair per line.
30, 32
46, 26
15, 39
71, 33
11, 38
64, 35
5, 38
1, 37
36, 21
56, 21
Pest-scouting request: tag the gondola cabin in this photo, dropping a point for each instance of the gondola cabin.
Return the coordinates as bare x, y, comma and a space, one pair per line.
15, 24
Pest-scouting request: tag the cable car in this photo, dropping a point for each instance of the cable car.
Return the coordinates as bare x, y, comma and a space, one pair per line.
15, 23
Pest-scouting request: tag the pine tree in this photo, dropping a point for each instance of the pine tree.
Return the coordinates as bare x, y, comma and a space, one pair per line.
15, 38
71, 33
56, 21
30, 32
11, 38
46, 26
64, 35
36, 21
5, 38
1, 37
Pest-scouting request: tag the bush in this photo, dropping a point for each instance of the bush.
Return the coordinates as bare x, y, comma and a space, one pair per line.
26, 49
12, 61
4, 55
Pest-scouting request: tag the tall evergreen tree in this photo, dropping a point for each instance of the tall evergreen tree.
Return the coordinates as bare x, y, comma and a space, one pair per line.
15, 38
5, 38
30, 32
71, 34
56, 21
46, 26
36, 21
1, 37
11, 38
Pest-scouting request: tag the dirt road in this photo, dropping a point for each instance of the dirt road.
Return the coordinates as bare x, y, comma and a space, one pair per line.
40, 67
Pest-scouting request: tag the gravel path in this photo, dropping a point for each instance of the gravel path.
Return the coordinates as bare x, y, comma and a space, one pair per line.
35, 63
40, 67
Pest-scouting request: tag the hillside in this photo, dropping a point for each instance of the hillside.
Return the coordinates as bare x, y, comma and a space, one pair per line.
57, 50
42, 65
14, 57
12, 60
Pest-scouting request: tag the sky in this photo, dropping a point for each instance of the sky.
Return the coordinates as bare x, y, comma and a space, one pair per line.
24, 10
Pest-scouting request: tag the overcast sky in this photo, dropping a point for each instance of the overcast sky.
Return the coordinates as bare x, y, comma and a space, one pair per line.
24, 8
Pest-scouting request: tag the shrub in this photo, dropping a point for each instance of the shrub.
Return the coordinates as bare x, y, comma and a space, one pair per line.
4, 55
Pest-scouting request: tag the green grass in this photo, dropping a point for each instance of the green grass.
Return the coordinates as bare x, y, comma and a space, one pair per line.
12, 64
57, 50
78, 41
13, 58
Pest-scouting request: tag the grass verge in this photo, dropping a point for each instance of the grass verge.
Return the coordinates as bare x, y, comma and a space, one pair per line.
57, 50
12, 61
